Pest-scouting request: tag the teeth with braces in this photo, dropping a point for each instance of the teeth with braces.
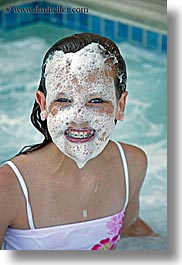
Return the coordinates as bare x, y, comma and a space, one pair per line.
79, 135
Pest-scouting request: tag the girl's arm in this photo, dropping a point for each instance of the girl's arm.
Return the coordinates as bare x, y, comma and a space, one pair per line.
133, 225
8, 200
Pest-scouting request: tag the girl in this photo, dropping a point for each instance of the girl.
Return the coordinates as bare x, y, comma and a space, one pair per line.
78, 190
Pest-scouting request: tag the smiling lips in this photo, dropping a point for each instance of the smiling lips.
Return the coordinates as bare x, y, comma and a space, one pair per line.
79, 136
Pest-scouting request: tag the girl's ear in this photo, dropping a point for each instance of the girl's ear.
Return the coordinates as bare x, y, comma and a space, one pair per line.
121, 106
41, 100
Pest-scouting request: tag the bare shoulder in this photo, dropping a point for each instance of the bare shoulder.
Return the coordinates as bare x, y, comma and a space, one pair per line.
10, 189
25, 163
137, 163
135, 155
7, 179
9, 196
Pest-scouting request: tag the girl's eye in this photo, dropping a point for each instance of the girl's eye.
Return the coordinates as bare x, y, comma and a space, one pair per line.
63, 100
96, 100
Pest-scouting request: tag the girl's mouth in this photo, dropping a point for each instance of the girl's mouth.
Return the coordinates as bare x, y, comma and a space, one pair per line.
79, 136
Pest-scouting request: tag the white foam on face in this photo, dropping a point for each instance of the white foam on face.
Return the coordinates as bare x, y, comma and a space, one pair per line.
79, 77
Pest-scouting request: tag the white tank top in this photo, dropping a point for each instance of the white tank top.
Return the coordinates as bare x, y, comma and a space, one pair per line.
101, 233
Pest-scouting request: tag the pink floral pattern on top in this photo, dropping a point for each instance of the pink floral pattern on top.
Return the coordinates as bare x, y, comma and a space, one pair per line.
116, 223
114, 226
106, 244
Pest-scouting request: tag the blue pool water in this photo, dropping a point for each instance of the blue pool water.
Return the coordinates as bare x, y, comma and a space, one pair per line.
21, 55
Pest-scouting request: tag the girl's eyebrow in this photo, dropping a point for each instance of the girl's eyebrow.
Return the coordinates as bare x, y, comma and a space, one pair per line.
61, 94
99, 94
95, 94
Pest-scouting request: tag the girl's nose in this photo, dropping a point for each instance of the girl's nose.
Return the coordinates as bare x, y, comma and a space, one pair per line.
79, 114
82, 125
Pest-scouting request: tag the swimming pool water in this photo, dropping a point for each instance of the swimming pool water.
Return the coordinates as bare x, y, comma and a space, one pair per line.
145, 120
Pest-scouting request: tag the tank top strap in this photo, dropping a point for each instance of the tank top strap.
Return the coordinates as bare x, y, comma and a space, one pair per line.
125, 168
25, 192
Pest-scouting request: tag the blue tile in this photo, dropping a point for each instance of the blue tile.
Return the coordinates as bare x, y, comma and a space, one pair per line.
54, 18
83, 21
152, 40
39, 5
95, 25
164, 43
0, 19
26, 17
53, 14
23, 17
70, 20
42, 6
21, 14
58, 18
10, 20
109, 28
137, 35
122, 34
35, 15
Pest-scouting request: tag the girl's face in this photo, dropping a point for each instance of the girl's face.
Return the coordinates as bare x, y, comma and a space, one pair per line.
81, 102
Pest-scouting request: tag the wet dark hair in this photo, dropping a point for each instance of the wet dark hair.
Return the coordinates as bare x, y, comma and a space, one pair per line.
73, 44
